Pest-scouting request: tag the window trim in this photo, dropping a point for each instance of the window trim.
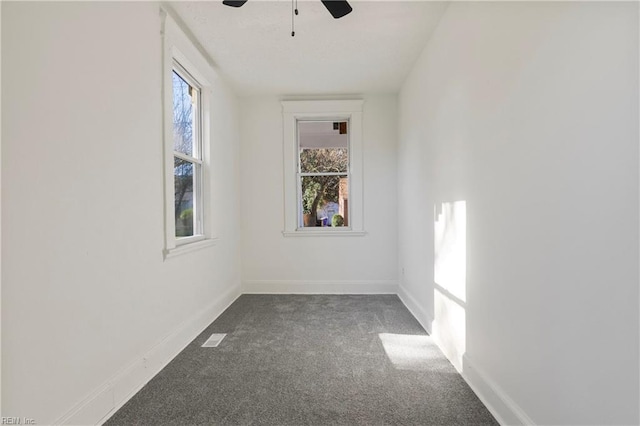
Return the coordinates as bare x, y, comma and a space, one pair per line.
181, 54
322, 110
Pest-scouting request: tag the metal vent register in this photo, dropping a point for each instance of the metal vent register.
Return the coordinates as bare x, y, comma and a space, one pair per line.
214, 340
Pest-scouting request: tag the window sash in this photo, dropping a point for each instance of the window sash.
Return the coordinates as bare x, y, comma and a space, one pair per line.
322, 120
195, 159
185, 157
300, 160
198, 223
197, 201
324, 174
197, 113
300, 201
300, 174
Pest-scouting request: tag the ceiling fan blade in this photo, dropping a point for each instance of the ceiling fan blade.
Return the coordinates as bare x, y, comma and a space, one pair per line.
234, 3
337, 8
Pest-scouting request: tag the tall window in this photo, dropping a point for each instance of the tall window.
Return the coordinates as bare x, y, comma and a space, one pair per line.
187, 95
323, 173
187, 154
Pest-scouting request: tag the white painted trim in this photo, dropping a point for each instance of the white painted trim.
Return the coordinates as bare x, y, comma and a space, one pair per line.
91, 409
190, 239
415, 308
1, 212
328, 106
323, 233
499, 404
193, 73
319, 287
107, 398
189, 247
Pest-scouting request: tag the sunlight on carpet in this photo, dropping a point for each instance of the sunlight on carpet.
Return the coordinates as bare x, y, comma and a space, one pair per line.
409, 352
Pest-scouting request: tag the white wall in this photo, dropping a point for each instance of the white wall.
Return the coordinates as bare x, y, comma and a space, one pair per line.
529, 114
274, 263
0, 212
86, 294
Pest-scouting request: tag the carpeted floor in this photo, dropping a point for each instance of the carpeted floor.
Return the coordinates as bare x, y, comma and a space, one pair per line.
309, 360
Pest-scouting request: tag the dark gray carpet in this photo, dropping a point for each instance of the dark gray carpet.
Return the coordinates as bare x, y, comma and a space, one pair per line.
309, 360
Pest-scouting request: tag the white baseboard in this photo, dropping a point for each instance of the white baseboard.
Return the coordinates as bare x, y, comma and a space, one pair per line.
415, 308
503, 408
104, 401
319, 287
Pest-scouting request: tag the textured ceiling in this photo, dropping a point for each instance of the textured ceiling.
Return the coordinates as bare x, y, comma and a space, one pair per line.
370, 50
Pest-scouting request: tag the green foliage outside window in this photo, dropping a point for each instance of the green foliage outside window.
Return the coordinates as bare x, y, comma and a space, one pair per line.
320, 189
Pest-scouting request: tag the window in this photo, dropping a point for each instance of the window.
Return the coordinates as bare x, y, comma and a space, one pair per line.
187, 155
187, 99
323, 173
323, 168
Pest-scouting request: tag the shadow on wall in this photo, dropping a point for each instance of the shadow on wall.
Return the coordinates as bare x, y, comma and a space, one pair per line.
450, 277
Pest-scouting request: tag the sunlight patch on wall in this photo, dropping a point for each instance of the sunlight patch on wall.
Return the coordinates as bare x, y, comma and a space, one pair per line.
450, 235
450, 276
449, 327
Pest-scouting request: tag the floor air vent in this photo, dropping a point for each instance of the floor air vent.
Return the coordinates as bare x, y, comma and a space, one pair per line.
214, 340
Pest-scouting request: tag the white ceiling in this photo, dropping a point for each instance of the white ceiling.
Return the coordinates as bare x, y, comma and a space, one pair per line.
371, 50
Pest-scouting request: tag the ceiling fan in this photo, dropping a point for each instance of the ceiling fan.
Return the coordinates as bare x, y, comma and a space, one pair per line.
337, 8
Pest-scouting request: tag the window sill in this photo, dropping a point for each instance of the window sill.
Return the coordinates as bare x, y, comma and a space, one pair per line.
188, 248
323, 233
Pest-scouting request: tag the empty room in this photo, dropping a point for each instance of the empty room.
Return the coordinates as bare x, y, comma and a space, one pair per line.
307, 212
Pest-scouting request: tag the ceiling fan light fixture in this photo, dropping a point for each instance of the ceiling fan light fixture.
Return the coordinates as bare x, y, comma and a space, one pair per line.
234, 3
337, 8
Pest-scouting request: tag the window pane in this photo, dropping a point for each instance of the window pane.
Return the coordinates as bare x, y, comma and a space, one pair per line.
325, 201
183, 115
324, 160
183, 172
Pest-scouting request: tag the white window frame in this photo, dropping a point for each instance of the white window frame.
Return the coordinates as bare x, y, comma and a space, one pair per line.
322, 110
181, 55
195, 158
